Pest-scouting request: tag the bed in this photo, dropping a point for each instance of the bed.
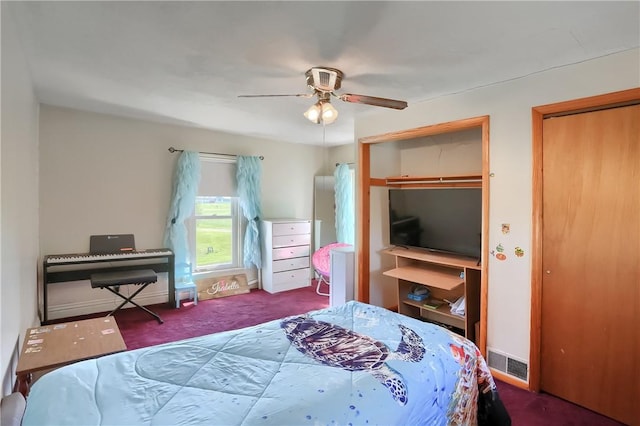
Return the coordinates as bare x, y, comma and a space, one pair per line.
354, 364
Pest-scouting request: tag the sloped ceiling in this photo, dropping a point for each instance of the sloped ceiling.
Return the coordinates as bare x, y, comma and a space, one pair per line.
187, 62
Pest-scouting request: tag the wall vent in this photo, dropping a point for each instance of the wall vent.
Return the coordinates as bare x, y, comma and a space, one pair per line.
503, 362
517, 368
497, 361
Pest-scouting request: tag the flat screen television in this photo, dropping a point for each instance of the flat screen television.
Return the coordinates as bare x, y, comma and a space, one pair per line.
439, 219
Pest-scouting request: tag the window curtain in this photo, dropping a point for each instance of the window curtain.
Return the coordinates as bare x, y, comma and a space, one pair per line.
345, 212
248, 174
185, 188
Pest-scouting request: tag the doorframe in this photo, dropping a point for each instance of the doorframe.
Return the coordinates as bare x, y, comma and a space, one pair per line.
538, 114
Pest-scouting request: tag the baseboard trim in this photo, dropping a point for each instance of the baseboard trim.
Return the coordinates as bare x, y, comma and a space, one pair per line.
87, 307
497, 374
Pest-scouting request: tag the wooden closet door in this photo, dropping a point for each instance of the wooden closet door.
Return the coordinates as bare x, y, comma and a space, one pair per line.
590, 330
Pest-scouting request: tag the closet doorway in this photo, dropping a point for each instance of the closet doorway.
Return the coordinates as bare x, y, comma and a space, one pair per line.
586, 273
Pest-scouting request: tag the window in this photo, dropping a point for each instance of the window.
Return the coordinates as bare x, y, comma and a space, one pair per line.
215, 228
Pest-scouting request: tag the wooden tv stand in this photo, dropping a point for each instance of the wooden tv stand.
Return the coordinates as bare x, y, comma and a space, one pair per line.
447, 277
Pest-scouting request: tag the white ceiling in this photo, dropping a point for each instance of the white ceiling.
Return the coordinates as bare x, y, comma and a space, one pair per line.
187, 62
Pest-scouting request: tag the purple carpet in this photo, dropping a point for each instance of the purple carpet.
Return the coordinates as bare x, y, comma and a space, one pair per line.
139, 330
540, 409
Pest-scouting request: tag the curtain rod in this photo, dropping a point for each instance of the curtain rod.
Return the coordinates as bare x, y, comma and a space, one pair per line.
172, 150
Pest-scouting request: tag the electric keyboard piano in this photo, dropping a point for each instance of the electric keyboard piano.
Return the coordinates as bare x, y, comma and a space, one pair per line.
59, 268
62, 259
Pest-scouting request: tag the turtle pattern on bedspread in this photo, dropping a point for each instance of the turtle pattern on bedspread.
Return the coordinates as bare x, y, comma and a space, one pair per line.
336, 346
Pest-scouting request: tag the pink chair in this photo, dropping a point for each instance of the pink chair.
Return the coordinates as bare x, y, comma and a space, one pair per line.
321, 263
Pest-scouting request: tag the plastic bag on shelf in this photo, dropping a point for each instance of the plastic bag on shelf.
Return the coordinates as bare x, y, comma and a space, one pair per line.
457, 307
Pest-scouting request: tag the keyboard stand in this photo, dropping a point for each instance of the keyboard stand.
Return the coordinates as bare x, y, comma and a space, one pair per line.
59, 269
113, 280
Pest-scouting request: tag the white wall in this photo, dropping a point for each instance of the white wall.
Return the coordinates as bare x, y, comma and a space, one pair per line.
509, 107
449, 154
103, 174
18, 200
341, 154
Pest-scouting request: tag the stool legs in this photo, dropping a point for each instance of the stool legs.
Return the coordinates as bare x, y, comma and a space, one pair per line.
193, 293
129, 300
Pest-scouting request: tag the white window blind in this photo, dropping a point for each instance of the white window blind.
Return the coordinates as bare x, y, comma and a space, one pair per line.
217, 177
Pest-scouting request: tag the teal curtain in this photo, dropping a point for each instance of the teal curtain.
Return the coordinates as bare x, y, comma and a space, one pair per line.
185, 189
249, 171
345, 210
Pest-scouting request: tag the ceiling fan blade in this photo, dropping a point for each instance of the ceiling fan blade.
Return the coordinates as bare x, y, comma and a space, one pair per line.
299, 95
372, 100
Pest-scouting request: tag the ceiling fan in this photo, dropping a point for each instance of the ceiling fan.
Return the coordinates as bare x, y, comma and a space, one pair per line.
324, 82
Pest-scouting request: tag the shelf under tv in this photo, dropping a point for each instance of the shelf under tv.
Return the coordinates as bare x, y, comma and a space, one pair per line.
447, 276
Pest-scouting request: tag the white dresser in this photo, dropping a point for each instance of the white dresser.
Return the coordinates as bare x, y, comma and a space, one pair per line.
286, 251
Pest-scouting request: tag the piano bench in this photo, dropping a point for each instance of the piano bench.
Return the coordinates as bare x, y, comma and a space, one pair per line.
113, 280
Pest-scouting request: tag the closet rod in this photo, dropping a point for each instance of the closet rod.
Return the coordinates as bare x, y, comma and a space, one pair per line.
172, 150
348, 164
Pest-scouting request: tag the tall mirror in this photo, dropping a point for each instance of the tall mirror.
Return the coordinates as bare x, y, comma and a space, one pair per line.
324, 211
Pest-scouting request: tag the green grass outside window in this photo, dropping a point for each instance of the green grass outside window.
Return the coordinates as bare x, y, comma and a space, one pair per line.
213, 234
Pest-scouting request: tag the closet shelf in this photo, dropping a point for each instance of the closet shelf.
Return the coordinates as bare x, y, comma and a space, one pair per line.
406, 181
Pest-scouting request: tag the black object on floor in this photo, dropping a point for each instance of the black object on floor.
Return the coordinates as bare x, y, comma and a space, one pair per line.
491, 410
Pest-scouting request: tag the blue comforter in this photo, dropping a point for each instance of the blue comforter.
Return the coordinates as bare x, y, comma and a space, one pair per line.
350, 365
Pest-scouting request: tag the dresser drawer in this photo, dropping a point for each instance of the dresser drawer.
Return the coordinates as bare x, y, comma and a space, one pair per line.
288, 264
290, 252
294, 276
292, 228
291, 240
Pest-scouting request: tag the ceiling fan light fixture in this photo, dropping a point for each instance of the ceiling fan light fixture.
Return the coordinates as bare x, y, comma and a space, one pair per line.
321, 112
329, 113
323, 82
314, 113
